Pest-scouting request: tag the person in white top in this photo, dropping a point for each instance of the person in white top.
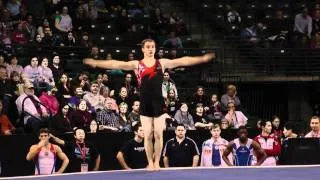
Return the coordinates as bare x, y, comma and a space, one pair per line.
63, 22
315, 128
44, 155
213, 148
46, 72
235, 118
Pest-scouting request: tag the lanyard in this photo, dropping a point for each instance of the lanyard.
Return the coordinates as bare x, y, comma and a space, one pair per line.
82, 151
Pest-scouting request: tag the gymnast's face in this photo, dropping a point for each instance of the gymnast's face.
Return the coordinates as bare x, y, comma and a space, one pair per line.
149, 49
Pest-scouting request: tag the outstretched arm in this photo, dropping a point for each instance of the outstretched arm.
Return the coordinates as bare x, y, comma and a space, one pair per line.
187, 61
111, 64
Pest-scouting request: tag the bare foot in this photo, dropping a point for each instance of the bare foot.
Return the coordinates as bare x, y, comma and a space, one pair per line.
156, 167
150, 167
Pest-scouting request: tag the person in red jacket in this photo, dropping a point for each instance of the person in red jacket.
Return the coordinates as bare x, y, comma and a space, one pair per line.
17, 36
269, 143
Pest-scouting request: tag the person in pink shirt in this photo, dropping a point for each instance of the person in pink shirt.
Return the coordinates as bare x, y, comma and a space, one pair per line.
315, 128
50, 101
45, 72
235, 118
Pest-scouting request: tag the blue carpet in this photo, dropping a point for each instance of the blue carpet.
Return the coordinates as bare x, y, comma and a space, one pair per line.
287, 173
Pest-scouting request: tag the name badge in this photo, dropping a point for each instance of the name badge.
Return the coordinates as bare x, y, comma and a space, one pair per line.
84, 167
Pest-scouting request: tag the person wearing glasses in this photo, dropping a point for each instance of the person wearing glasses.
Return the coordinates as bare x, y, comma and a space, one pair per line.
235, 118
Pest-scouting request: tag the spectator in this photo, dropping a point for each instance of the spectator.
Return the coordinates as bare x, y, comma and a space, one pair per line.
134, 115
28, 103
123, 23
104, 91
200, 98
56, 68
63, 22
315, 128
200, 120
50, 101
316, 41
279, 29
182, 116
81, 118
3, 62
31, 72
38, 41
83, 155
172, 102
180, 151
235, 118
85, 40
6, 27
107, 118
124, 120
61, 121
269, 143
302, 28
94, 127
94, 97
41, 28
213, 148
159, 23
91, 10
28, 28
167, 85
6, 126
70, 40
242, 149
18, 36
129, 84
173, 41
250, 34
276, 128
13, 7
122, 96
45, 72
80, 21
50, 39
6, 89
230, 96
132, 155
214, 113
64, 89
225, 124
94, 53
288, 132
232, 16
14, 66
316, 22
75, 100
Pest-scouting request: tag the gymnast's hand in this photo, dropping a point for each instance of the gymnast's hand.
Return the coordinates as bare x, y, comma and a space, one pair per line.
90, 62
208, 57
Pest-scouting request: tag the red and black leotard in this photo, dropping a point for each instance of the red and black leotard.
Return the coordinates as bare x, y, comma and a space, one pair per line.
150, 82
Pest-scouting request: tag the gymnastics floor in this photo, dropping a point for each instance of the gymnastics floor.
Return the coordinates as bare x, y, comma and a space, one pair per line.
307, 172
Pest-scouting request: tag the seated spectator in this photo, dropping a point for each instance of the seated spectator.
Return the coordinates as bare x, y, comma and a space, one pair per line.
80, 21
316, 22
64, 89
6, 27
14, 66
159, 24
94, 127
75, 100
279, 29
230, 96
94, 97
122, 96
302, 28
250, 34
232, 16
33, 112
182, 116
31, 72
201, 122
3, 62
13, 6
132, 155
289, 132
91, 10
225, 124
276, 128
269, 143
85, 40
6, 89
56, 68
315, 128
123, 23
41, 28
50, 101
45, 72
18, 36
28, 28
61, 121
125, 123
167, 85
50, 39
38, 41
173, 41
177, 24
172, 102
200, 97
315, 43
107, 118
94, 52
63, 21
81, 118
134, 115
181, 151
70, 40
214, 113
235, 118
6, 126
